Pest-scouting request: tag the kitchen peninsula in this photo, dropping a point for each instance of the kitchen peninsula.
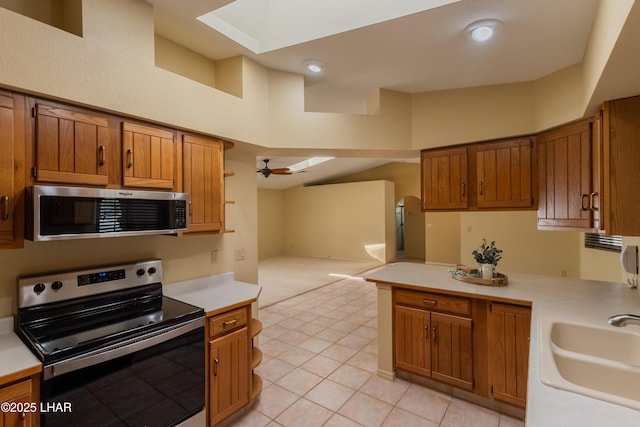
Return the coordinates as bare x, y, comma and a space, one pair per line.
565, 299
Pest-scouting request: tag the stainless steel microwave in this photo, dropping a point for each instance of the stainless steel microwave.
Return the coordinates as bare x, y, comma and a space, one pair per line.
58, 212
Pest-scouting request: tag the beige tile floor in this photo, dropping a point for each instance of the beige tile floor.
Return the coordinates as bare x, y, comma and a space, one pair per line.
319, 361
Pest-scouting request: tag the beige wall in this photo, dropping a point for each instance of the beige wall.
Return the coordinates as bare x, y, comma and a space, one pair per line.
414, 226
404, 175
442, 237
526, 250
343, 221
270, 223
474, 114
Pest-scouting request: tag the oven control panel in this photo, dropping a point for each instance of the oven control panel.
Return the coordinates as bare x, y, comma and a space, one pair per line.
52, 287
101, 276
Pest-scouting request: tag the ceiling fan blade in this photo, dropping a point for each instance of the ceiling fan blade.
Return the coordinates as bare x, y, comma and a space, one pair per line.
280, 171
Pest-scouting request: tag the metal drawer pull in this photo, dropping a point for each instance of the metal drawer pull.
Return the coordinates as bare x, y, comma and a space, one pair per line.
129, 158
430, 301
215, 367
101, 155
434, 334
464, 189
229, 322
5, 207
426, 332
481, 190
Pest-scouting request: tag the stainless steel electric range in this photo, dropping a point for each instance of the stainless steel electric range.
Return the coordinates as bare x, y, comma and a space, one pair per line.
115, 351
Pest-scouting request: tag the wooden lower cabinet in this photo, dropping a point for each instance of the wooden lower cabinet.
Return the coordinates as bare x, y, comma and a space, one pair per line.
473, 344
509, 330
21, 393
229, 374
452, 350
231, 358
435, 345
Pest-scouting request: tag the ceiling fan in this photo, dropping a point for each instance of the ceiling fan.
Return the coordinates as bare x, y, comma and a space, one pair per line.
266, 171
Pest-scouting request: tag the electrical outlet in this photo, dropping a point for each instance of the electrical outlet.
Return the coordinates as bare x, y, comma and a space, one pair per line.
240, 254
214, 256
563, 273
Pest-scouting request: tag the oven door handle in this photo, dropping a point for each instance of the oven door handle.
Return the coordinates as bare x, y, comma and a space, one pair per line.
120, 349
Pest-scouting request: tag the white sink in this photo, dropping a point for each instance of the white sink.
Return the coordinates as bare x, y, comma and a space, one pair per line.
599, 362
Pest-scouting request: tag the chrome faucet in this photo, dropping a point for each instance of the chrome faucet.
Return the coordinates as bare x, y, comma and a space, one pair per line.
624, 319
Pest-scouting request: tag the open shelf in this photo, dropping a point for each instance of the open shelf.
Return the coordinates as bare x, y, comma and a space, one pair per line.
256, 357
256, 386
256, 327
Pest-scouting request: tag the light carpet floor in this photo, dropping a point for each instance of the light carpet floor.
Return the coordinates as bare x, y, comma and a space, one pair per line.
283, 277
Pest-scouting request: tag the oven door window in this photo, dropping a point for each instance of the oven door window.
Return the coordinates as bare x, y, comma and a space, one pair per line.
159, 386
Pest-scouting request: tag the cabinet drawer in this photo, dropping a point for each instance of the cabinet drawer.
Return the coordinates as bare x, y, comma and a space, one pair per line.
431, 301
227, 321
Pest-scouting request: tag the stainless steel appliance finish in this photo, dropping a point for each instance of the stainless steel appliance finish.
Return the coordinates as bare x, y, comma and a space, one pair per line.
113, 347
62, 213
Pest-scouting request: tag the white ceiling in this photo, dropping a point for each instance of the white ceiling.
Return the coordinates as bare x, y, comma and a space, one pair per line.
422, 51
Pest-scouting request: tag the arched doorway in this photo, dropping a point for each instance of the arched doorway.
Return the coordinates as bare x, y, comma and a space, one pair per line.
410, 230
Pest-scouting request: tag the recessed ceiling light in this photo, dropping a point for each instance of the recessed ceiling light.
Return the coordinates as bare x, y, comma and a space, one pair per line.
481, 31
314, 66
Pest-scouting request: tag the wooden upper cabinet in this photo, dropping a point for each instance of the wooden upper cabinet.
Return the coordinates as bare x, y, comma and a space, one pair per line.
71, 146
504, 175
568, 187
621, 167
444, 179
12, 173
203, 179
149, 156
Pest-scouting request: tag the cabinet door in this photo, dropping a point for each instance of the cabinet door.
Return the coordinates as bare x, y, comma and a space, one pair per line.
203, 179
621, 167
229, 374
503, 171
412, 346
11, 182
509, 331
567, 197
452, 350
71, 146
149, 157
20, 393
444, 179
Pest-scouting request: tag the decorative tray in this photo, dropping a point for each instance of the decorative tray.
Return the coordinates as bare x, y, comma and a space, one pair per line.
472, 275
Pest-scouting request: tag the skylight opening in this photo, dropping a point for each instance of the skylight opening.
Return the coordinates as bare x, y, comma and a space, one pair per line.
265, 25
312, 161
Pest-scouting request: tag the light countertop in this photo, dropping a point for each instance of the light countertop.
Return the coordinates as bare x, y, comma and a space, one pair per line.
16, 360
558, 298
215, 294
